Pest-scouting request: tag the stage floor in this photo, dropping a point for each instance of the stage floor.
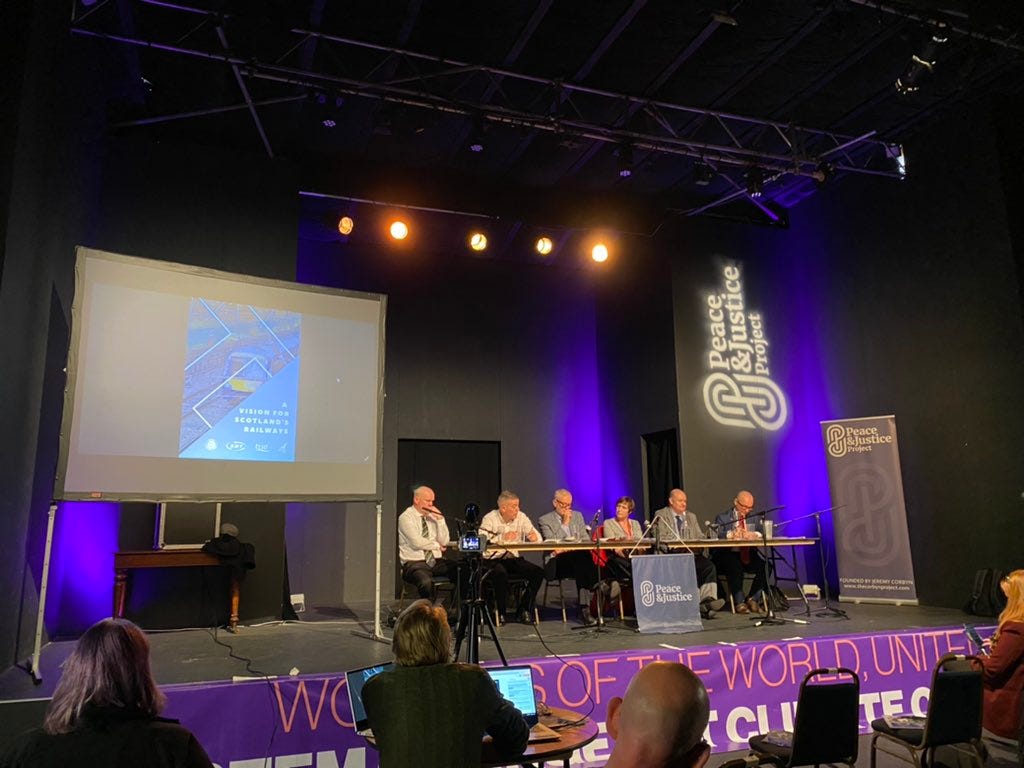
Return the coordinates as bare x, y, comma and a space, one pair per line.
322, 643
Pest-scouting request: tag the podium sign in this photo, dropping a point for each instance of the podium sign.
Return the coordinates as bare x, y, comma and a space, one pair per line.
666, 594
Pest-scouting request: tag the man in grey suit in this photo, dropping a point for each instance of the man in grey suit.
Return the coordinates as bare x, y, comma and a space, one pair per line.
677, 523
564, 523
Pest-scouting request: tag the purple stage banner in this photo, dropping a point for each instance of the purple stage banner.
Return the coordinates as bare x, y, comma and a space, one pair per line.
870, 523
288, 722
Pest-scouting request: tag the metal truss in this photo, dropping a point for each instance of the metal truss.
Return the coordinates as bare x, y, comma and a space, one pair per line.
728, 143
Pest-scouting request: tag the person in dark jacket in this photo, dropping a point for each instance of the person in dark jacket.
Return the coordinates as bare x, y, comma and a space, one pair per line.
1003, 674
430, 712
105, 711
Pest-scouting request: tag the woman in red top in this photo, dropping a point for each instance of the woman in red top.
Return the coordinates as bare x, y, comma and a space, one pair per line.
1003, 668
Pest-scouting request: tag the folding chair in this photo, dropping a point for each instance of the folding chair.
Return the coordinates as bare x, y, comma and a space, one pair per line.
827, 723
954, 717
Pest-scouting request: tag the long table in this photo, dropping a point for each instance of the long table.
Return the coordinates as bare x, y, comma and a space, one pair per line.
774, 545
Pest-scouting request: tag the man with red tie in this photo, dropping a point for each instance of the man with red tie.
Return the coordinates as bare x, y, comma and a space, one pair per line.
735, 561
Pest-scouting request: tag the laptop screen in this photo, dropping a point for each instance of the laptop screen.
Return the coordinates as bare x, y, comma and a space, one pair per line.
516, 685
354, 681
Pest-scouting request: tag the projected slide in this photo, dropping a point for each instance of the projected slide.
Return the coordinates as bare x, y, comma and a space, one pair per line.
191, 384
241, 382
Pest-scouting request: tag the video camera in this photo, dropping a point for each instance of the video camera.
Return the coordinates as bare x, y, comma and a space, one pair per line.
471, 542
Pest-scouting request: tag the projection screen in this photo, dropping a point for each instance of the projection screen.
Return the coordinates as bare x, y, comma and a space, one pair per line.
192, 384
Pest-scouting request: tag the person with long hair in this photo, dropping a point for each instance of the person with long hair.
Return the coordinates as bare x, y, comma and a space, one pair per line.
430, 712
1003, 667
105, 711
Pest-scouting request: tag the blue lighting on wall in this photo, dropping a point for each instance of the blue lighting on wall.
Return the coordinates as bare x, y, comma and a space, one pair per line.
81, 585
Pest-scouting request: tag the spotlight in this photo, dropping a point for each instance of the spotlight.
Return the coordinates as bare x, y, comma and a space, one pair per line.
346, 225
755, 182
544, 245
599, 253
399, 229
702, 174
922, 63
895, 152
477, 137
625, 164
824, 172
478, 241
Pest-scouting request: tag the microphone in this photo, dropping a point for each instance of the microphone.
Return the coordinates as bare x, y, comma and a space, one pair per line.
593, 522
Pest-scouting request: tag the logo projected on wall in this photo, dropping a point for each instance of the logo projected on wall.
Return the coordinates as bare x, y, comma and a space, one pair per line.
739, 391
241, 384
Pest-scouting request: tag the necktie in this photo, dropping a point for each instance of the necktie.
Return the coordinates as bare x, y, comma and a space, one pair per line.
744, 551
681, 526
428, 554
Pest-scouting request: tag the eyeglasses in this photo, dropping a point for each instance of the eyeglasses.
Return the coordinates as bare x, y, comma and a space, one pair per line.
563, 504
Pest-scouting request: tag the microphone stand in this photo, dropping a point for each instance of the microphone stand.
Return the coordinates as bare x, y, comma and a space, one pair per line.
829, 609
599, 623
769, 617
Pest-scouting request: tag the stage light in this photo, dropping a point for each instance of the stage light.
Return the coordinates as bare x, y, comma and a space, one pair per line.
599, 253
625, 165
478, 241
544, 245
755, 182
921, 64
399, 229
895, 153
346, 225
702, 174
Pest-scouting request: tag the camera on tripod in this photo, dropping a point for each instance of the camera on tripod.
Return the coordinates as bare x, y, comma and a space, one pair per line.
471, 543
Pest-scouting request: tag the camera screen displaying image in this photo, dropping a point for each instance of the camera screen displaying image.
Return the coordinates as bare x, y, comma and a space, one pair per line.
472, 542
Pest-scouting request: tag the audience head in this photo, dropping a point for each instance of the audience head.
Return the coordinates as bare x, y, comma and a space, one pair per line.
508, 505
661, 719
677, 500
624, 507
1013, 588
108, 668
422, 636
744, 502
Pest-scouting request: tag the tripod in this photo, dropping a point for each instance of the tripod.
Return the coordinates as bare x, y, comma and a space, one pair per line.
474, 610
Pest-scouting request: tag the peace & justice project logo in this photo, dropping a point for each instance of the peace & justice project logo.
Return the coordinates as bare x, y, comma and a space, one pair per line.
739, 391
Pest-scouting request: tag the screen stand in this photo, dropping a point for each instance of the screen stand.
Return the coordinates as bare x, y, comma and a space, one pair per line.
376, 634
32, 665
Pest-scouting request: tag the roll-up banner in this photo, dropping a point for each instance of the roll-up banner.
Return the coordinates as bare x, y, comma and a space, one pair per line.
870, 522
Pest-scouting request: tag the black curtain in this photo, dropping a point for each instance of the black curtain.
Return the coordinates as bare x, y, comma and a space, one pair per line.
663, 470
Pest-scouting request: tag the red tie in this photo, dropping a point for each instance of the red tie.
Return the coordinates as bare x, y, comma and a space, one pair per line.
744, 551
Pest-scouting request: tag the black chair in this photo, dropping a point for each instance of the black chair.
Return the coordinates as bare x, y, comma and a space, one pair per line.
551, 577
827, 723
954, 717
439, 584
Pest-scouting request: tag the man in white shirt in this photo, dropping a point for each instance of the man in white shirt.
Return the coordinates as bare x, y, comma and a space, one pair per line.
422, 539
507, 525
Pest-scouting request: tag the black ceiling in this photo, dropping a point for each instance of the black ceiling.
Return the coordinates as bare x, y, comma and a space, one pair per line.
384, 100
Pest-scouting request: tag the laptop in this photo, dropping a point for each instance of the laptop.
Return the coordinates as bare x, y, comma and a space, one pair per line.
516, 684
354, 681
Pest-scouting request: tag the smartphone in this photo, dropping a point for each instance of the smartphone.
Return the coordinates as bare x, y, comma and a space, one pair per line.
975, 638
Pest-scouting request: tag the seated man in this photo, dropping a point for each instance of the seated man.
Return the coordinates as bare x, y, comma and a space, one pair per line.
430, 712
677, 523
422, 543
660, 723
566, 524
506, 525
733, 562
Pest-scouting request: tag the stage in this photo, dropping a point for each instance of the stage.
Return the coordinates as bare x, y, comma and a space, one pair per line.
752, 672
